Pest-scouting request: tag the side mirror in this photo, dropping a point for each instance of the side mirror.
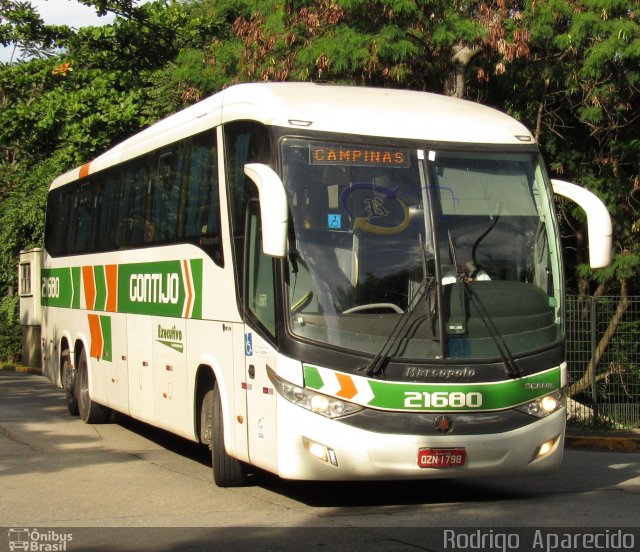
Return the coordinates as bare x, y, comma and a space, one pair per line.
273, 208
598, 221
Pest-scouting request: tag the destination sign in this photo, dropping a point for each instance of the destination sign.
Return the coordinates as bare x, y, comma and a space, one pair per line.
326, 154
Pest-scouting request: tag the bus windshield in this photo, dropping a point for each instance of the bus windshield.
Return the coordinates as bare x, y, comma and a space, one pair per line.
431, 253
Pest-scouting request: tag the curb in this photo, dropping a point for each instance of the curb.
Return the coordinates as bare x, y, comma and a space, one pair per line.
601, 442
21, 368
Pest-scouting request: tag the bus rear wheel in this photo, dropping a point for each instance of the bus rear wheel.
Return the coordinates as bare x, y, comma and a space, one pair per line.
69, 382
227, 471
90, 412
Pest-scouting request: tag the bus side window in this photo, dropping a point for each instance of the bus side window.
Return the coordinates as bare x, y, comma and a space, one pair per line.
58, 221
164, 198
132, 231
201, 217
106, 211
244, 142
82, 219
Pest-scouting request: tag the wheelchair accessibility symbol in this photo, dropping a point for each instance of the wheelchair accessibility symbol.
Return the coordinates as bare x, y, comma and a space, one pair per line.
248, 344
334, 221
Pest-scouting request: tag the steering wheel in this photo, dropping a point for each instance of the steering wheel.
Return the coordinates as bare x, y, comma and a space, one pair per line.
372, 306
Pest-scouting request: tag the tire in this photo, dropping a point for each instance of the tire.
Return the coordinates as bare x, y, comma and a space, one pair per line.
90, 412
227, 471
206, 417
68, 376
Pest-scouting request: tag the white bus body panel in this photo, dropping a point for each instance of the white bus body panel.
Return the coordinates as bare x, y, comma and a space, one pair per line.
145, 378
117, 371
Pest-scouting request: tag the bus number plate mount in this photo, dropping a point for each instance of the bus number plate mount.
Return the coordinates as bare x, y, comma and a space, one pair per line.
441, 457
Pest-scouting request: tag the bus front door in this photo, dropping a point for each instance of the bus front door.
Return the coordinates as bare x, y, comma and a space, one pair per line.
261, 403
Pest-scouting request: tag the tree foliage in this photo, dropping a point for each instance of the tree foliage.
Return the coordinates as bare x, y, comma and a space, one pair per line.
568, 69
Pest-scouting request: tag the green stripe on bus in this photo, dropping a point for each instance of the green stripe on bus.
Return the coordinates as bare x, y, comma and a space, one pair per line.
312, 378
76, 289
163, 288
425, 397
455, 397
107, 342
196, 274
57, 287
101, 287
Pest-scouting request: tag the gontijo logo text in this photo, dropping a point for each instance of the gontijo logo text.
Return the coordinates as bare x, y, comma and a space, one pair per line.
154, 288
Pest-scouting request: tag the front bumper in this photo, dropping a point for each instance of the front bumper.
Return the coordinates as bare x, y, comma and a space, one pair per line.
367, 455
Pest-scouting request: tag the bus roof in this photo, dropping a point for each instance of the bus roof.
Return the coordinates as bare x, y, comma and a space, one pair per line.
344, 109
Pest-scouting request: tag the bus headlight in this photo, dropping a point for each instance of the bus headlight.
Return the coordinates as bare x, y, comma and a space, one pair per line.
330, 407
543, 406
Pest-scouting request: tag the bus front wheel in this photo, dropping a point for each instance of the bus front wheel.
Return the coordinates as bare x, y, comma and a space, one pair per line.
227, 471
90, 412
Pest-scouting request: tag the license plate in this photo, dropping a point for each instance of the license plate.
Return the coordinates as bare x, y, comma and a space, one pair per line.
441, 458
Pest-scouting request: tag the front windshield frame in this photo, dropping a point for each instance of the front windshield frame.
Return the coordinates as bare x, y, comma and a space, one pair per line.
421, 263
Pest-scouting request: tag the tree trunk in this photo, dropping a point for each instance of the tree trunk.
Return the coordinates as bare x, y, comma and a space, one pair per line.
541, 105
584, 383
461, 57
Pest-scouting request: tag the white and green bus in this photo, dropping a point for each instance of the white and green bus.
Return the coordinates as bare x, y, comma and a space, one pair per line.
324, 282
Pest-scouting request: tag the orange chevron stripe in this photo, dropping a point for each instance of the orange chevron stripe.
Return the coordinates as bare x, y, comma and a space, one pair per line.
96, 336
88, 278
189, 290
111, 274
347, 387
84, 170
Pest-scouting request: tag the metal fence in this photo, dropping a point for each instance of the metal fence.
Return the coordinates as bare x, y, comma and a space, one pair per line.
603, 357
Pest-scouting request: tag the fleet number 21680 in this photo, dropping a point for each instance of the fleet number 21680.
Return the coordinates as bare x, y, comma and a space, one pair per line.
442, 399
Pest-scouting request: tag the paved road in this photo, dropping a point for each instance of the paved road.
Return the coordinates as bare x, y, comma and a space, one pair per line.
56, 472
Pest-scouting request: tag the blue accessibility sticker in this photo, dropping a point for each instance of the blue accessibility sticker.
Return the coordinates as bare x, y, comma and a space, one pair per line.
248, 344
334, 221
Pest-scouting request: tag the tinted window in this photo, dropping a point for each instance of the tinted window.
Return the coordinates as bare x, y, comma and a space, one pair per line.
82, 218
107, 201
57, 225
245, 142
164, 197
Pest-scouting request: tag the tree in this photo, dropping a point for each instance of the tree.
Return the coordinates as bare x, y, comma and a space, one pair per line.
579, 90
568, 69
423, 45
22, 27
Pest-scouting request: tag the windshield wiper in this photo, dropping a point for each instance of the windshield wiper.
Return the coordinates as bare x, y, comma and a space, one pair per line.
465, 289
512, 366
378, 363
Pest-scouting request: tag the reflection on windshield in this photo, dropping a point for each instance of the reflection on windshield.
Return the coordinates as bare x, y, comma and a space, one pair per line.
370, 224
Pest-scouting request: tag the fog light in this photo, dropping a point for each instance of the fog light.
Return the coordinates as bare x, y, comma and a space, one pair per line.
321, 452
546, 448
